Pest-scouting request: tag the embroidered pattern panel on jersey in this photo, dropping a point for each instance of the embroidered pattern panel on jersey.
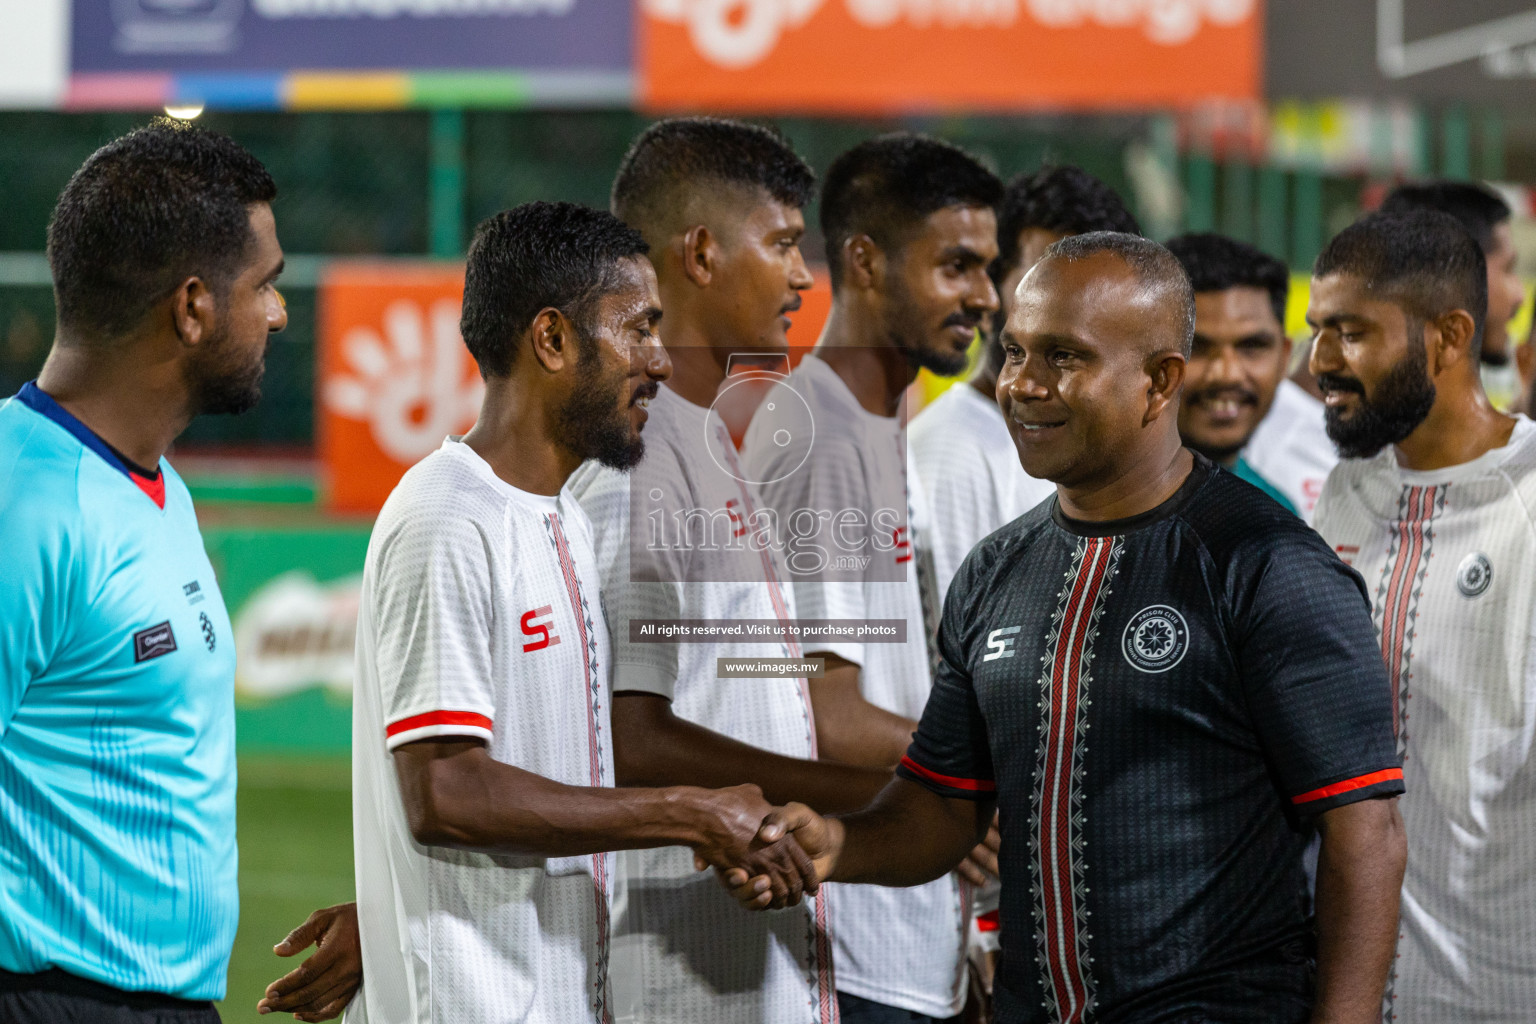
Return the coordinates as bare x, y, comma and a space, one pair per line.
1451, 556
1056, 806
479, 620
1395, 603
1154, 703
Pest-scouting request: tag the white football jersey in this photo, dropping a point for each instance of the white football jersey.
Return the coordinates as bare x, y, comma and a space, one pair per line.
478, 618
900, 947
683, 950
962, 451
1290, 448
1449, 557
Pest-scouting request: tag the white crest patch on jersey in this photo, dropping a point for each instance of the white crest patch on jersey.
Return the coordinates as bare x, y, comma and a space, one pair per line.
1155, 639
1474, 574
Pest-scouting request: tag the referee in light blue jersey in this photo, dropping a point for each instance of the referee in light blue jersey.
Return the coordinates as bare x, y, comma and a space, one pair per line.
118, 897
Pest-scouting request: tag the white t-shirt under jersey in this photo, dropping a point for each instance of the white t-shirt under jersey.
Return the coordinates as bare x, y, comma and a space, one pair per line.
900, 947
961, 449
478, 618
1290, 448
683, 950
1449, 557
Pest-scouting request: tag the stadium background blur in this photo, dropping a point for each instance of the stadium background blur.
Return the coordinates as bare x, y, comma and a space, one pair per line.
1276, 124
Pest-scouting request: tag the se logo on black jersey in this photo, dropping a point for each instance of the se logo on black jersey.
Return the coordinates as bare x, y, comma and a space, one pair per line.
1000, 643
153, 642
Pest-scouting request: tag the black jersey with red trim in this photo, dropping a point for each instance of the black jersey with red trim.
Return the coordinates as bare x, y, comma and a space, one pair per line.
1158, 704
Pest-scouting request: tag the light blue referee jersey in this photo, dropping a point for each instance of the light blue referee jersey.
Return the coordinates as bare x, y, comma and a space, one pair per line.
117, 718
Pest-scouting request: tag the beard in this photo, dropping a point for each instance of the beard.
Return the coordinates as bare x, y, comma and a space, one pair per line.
592, 423
904, 327
220, 380
1402, 401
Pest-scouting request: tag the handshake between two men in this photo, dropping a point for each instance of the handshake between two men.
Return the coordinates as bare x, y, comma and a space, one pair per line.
907, 836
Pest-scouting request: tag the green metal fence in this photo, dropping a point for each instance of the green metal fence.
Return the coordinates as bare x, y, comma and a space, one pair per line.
413, 183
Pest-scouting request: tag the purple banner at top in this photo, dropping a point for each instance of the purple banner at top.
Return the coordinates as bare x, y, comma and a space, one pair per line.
317, 35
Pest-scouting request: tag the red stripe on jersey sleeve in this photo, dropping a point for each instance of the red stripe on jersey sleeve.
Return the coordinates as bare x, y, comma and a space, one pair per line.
987, 922
972, 785
1358, 782
468, 718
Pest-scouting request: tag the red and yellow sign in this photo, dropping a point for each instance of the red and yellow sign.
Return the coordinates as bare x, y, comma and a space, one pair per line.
394, 376
885, 56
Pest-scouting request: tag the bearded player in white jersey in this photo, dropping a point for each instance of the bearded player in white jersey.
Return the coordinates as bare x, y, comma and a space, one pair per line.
910, 231
1435, 505
483, 804
719, 203
959, 445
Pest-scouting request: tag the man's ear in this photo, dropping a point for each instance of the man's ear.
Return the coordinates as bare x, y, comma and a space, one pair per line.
1449, 340
863, 263
194, 312
1165, 379
701, 255
552, 337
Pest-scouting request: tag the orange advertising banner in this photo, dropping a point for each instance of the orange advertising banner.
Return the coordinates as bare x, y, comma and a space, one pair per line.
889, 56
394, 377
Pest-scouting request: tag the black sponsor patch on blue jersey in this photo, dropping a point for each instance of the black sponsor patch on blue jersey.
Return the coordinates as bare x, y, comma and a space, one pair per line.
153, 642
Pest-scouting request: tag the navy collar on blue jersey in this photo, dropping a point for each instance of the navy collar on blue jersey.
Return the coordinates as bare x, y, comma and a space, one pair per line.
40, 401
1199, 473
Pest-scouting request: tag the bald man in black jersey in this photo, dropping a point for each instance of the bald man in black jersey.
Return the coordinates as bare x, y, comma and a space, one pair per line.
1160, 678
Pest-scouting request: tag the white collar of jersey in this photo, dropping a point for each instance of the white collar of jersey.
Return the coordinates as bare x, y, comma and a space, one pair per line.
819, 368
456, 448
1479, 466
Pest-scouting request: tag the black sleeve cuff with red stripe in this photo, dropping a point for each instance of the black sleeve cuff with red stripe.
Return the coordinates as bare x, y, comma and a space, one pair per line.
1369, 786
946, 785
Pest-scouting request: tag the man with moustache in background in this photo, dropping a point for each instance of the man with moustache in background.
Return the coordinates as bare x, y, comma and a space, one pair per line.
1240, 350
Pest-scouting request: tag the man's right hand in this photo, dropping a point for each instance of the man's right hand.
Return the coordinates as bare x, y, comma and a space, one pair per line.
820, 839
771, 863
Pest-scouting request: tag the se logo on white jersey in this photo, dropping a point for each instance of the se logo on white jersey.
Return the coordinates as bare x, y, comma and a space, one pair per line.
539, 630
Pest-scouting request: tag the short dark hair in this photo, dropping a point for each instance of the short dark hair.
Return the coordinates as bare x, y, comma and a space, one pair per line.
1154, 266
1424, 261
537, 256
1479, 209
1215, 263
165, 202
1063, 199
680, 154
884, 186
